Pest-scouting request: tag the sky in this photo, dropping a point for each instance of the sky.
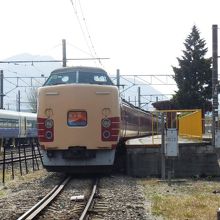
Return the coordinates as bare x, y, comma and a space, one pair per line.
138, 36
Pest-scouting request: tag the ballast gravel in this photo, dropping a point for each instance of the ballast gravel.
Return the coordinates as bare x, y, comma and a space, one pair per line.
119, 197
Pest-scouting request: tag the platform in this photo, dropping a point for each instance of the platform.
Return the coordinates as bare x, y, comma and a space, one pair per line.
195, 158
155, 141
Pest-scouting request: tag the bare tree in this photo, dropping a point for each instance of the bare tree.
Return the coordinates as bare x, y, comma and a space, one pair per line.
32, 99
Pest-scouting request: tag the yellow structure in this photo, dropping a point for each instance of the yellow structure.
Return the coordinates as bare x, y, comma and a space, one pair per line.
190, 124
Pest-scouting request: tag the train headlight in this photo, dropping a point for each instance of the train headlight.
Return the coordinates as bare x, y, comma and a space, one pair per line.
48, 112
49, 135
106, 112
49, 123
106, 123
106, 134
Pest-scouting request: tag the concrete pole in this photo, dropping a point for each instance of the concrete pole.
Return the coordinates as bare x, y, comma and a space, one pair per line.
139, 96
64, 52
214, 82
1, 90
19, 101
118, 79
163, 159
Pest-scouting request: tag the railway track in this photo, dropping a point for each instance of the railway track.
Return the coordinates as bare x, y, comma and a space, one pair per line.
36, 209
90, 201
80, 210
118, 197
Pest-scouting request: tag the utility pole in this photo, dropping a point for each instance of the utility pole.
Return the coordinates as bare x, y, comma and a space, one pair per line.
19, 101
118, 79
139, 96
163, 158
214, 82
1, 90
64, 52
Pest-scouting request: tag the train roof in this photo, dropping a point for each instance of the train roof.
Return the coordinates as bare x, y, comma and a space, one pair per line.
135, 107
78, 75
14, 113
78, 68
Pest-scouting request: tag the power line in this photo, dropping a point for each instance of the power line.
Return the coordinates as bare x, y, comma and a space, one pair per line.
40, 71
81, 27
87, 30
72, 45
50, 61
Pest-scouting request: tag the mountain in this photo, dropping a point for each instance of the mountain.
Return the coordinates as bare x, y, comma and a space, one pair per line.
21, 76
32, 69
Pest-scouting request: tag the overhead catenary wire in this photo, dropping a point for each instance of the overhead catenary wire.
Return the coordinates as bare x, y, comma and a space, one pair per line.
40, 71
50, 61
87, 30
81, 27
86, 35
83, 51
11, 71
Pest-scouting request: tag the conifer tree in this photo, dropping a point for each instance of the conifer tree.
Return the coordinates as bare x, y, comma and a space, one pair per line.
194, 75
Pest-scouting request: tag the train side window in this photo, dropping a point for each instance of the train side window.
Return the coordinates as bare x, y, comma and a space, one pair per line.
5, 123
31, 124
25, 123
8, 123
16, 123
1, 123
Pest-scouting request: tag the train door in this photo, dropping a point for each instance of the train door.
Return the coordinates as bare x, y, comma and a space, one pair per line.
22, 127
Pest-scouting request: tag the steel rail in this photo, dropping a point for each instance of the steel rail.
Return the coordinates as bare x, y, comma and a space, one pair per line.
36, 209
16, 159
83, 215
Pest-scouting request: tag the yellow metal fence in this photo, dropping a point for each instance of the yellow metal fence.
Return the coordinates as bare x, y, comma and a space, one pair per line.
190, 124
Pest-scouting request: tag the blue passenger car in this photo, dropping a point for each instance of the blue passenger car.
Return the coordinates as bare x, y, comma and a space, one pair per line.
17, 124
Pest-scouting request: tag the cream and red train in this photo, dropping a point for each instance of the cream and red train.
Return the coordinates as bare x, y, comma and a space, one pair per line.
81, 119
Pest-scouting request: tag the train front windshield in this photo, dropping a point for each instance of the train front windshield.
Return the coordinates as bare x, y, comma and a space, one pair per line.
79, 78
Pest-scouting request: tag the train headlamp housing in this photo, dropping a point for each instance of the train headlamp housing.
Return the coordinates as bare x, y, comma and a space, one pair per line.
49, 135
106, 134
49, 123
106, 123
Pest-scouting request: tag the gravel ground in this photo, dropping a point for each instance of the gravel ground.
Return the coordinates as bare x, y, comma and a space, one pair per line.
123, 198
18, 195
119, 197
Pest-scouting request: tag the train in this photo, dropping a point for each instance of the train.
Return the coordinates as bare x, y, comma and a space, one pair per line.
82, 120
17, 125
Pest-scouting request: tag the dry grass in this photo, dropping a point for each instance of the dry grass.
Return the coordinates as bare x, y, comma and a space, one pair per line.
186, 200
10, 183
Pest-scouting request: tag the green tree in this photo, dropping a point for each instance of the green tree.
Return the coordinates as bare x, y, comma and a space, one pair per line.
194, 75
